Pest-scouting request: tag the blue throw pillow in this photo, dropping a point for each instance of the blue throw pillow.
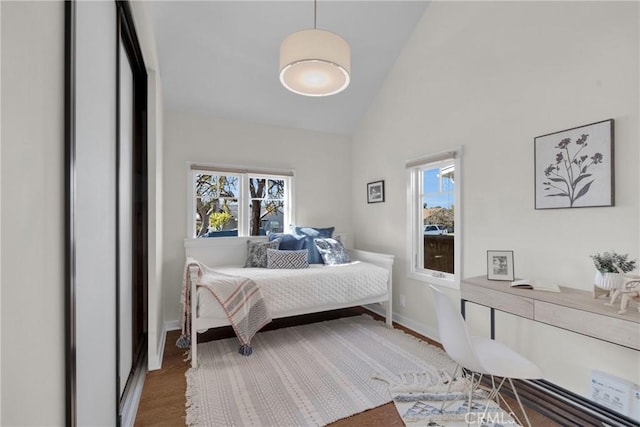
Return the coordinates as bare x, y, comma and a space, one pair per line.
288, 242
311, 233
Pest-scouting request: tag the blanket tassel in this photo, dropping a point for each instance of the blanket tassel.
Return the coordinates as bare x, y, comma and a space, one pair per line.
183, 342
245, 350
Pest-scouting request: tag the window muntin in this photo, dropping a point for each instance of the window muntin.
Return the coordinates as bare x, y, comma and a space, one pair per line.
434, 224
238, 203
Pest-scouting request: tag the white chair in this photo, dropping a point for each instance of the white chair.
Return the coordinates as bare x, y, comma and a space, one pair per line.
481, 356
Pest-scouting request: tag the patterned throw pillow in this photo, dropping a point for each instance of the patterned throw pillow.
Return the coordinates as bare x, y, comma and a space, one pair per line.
287, 259
311, 233
332, 251
257, 252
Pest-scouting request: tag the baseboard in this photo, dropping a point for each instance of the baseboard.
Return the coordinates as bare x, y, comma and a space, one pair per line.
565, 407
172, 325
418, 327
156, 363
376, 308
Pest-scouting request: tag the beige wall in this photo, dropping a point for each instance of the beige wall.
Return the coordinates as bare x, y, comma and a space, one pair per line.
491, 76
32, 218
321, 163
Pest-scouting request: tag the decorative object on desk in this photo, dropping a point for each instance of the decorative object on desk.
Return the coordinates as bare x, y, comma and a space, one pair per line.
500, 265
629, 292
574, 167
375, 192
610, 269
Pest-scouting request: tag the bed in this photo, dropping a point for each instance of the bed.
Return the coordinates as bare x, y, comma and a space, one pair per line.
288, 292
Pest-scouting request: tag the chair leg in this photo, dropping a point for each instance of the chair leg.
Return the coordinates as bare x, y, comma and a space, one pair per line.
524, 413
500, 399
495, 392
474, 384
469, 398
453, 377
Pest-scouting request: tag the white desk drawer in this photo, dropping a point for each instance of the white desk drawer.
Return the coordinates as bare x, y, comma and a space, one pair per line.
606, 328
514, 304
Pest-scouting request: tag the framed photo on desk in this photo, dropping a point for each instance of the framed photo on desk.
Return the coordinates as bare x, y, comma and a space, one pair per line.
500, 265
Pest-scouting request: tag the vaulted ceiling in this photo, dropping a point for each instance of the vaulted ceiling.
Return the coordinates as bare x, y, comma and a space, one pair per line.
220, 58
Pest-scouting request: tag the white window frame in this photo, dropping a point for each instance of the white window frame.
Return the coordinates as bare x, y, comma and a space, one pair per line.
244, 196
415, 236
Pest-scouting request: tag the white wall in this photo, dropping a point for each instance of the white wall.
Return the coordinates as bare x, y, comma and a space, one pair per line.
491, 76
0, 220
321, 163
32, 218
156, 335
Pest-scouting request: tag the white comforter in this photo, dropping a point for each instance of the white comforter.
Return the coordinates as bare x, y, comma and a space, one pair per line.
317, 286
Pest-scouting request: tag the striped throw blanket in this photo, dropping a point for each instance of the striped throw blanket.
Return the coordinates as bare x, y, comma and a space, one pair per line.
240, 298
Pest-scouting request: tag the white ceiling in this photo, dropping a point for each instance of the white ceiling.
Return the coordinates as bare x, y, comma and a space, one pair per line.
221, 57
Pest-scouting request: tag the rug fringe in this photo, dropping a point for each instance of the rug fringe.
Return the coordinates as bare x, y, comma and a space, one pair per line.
446, 417
417, 381
437, 396
192, 406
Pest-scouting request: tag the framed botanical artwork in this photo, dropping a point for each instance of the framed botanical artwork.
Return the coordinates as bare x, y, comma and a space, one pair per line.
574, 167
500, 265
375, 192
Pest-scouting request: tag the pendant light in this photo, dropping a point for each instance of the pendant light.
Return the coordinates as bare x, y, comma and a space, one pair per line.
315, 62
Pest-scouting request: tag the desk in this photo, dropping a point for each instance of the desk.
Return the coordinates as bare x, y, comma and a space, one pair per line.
571, 309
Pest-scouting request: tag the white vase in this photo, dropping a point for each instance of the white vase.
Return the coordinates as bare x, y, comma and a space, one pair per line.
609, 281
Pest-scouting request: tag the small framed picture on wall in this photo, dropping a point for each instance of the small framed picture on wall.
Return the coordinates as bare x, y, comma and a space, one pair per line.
500, 265
375, 192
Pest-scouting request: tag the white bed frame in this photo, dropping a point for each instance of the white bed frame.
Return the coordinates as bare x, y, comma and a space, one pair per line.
232, 251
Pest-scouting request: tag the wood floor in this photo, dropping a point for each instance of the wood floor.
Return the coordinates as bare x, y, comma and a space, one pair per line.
163, 397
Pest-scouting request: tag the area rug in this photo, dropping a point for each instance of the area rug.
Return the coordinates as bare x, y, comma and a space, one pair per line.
443, 406
307, 375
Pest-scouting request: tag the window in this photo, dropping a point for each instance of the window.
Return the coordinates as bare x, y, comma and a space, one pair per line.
230, 202
434, 218
266, 204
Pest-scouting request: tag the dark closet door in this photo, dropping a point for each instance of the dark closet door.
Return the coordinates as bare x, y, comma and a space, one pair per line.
132, 205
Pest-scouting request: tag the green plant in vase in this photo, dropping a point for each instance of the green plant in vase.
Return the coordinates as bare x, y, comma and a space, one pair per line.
610, 268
